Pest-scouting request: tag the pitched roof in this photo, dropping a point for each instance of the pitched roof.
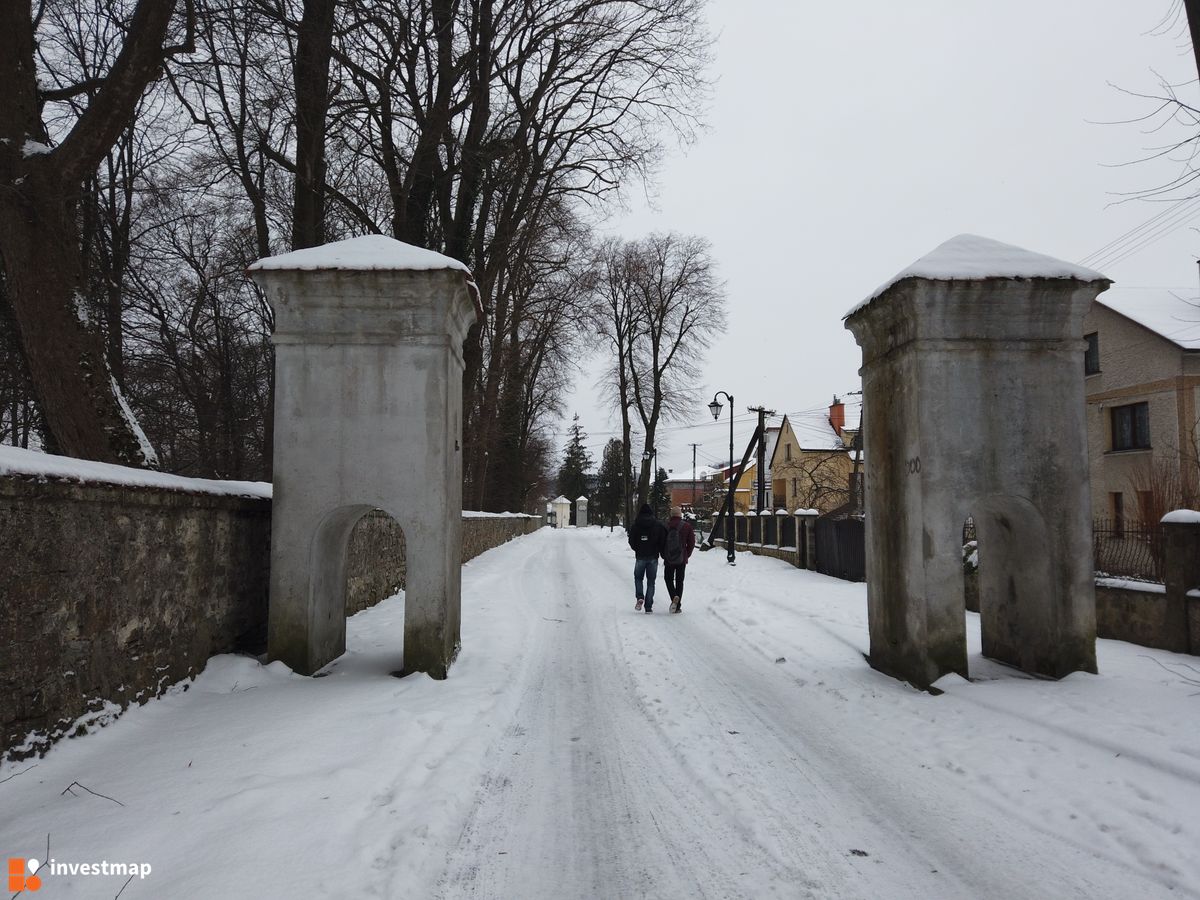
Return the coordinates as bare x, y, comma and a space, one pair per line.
1163, 312
702, 473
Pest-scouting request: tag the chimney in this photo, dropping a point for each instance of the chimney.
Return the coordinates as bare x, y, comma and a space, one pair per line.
837, 415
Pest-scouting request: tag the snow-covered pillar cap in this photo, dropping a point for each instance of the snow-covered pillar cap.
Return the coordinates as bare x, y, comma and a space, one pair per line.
969, 257
369, 253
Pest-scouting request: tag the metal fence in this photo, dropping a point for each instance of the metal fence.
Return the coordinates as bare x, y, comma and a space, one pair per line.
1122, 549
841, 548
1128, 549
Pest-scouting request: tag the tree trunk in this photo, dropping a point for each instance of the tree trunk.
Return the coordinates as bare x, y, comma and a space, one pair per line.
40, 243
1192, 7
314, 49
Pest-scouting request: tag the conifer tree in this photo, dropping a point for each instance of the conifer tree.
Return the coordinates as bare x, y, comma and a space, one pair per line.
660, 497
577, 462
611, 488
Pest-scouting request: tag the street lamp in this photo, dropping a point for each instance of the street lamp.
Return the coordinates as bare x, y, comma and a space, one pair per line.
715, 408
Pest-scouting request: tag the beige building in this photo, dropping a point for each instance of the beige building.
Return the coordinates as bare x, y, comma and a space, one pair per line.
1142, 369
816, 476
807, 467
744, 494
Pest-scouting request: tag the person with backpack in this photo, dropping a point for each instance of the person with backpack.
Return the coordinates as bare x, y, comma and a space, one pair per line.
677, 550
646, 539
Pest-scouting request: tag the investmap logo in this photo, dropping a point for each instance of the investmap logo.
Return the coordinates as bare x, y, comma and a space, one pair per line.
23, 873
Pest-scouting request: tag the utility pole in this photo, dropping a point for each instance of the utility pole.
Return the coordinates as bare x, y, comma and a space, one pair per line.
695, 517
763, 412
694, 446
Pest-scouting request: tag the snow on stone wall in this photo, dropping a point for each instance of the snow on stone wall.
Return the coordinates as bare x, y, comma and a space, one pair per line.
114, 590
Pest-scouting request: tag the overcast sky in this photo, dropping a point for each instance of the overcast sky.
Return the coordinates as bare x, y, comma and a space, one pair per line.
846, 140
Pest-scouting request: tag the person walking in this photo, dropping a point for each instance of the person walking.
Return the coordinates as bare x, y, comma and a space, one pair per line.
647, 537
677, 550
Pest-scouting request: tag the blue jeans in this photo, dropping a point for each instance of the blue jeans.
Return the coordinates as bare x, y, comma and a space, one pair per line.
648, 568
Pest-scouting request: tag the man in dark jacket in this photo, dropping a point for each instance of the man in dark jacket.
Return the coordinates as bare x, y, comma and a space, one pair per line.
647, 537
677, 550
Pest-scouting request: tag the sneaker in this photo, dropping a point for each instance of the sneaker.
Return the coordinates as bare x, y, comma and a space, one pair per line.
648, 609
637, 607
675, 605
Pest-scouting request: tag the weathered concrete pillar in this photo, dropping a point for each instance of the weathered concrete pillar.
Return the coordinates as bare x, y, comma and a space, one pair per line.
581, 518
368, 414
1181, 572
973, 404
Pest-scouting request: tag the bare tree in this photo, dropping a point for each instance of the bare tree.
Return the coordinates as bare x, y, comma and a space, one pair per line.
619, 320
820, 479
40, 242
491, 130
660, 316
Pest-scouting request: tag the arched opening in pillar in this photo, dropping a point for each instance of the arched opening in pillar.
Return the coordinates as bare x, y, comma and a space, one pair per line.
1006, 578
358, 559
375, 561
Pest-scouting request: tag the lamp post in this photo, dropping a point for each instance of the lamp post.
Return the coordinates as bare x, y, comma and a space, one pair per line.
715, 409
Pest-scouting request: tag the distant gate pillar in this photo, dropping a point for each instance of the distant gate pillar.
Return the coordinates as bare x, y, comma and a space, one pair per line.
368, 414
562, 511
581, 518
973, 405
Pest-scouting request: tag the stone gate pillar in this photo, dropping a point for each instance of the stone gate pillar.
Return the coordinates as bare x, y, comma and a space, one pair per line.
368, 414
973, 404
581, 512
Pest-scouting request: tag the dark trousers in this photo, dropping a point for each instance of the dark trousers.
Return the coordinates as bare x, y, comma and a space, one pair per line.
674, 579
648, 569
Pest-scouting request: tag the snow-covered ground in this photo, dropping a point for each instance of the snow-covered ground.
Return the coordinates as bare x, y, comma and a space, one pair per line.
580, 749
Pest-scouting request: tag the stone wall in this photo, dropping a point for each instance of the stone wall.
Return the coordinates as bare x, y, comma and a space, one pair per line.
110, 593
1143, 614
375, 559
789, 555
1146, 614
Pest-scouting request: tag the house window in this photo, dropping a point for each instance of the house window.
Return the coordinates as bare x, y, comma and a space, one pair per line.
787, 452
1091, 356
1131, 427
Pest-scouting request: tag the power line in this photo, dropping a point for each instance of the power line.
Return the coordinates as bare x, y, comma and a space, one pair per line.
1141, 236
1153, 238
1136, 228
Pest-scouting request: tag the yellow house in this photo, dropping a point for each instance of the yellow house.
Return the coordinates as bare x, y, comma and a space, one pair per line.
811, 477
743, 492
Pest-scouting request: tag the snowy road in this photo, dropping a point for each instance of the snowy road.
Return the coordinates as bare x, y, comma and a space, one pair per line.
664, 756
580, 749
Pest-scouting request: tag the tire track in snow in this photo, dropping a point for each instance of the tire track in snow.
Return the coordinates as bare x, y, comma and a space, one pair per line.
583, 796
654, 799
